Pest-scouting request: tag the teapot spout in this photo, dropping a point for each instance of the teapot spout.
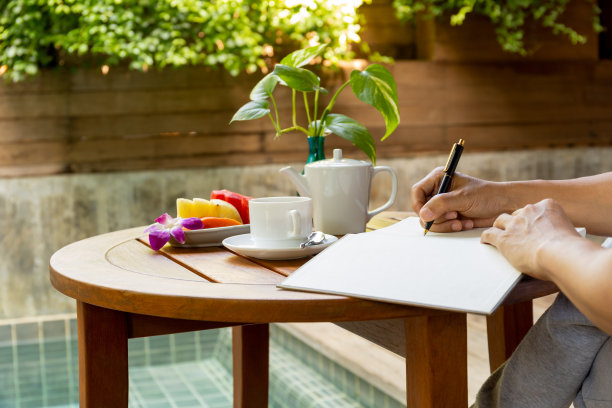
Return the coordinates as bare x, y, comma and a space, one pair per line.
298, 180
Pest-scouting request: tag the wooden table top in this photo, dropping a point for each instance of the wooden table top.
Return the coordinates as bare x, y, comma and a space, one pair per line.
120, 271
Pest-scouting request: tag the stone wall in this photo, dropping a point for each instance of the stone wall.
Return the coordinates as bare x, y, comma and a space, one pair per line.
41, 214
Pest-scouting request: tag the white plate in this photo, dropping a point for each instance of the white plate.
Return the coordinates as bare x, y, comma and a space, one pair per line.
245, 245
210, 236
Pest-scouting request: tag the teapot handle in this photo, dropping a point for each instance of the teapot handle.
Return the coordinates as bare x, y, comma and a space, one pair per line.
391, 200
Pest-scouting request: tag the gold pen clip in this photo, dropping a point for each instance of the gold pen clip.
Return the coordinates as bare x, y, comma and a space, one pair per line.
452, 153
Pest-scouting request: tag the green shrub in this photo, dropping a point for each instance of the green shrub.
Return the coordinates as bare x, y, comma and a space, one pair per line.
509, 17
239, 35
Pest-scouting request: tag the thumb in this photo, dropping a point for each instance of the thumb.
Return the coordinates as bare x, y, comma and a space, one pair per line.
442, 204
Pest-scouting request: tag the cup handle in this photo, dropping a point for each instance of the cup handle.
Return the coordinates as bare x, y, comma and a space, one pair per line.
388, 204
297, 225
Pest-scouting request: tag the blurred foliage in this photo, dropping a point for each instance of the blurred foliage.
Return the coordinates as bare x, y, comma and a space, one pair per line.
509, 17
239, 35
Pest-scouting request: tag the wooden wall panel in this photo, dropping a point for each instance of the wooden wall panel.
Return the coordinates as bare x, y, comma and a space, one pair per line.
493, 106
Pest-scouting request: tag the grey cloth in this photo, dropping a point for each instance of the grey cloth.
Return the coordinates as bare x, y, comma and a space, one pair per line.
564, 357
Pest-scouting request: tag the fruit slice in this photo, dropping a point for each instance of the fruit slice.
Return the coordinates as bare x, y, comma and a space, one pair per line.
223, 209
202, 208
241, 202
214, 222
245, 209
235, 199
185, 208
218, 194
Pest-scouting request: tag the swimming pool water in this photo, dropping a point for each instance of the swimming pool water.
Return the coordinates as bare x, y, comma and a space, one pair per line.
39, 368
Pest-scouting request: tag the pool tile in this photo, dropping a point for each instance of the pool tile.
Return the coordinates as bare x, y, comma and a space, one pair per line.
27, 332
5, 335
54, 329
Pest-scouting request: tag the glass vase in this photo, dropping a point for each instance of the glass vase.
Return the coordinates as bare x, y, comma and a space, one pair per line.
316, 149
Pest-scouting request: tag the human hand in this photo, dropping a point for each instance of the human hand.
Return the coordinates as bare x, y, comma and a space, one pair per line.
521, 236
470, 203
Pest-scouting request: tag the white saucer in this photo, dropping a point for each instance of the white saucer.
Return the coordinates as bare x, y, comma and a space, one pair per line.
245, 245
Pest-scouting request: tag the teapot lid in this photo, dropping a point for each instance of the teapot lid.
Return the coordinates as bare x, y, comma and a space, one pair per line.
338, 161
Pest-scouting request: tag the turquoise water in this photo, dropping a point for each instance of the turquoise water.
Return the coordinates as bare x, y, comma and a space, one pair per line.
39, 368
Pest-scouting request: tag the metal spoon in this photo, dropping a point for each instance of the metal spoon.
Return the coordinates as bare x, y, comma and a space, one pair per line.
315, 238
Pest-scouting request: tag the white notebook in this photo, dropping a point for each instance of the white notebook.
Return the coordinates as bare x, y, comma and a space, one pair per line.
398, 264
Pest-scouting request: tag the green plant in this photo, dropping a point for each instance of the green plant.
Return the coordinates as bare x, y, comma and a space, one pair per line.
374, 85
509, 17
239, 35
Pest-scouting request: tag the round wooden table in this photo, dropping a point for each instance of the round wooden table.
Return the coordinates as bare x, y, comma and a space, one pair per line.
126, 290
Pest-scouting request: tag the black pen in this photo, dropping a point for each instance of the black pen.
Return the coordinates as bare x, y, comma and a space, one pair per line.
449, 171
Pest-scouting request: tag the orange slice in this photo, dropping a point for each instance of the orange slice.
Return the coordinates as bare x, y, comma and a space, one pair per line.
215, 222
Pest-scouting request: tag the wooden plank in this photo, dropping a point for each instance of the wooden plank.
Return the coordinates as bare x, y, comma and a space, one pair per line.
436, 361
250, 346
389, 334
529, 288
92, 127
120, 78
525, 72
197, 161
220, 265
529, 136
18, 154
498, 113
144, 325
505, 330
32, 170
23, 130
33, 105
103, 357
49, 81
161, 145
284, 268
163, 101
136, 256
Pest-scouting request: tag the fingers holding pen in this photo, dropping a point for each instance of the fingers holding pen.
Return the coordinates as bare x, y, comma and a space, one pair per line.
425, 189
450, 225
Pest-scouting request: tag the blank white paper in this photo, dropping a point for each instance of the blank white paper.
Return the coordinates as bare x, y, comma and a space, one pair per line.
398, 264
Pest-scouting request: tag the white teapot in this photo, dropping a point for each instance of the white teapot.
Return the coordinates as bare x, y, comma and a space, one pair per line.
340, 191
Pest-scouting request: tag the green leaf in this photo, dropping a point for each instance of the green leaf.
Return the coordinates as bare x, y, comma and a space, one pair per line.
297, 78
300, 58
252, 110
264, 88
375, 86
352, 131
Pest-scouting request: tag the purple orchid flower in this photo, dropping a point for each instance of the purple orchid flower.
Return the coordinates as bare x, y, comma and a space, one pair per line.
165, 225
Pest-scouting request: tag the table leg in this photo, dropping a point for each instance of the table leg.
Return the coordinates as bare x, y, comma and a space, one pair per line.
103, 357
436, 361
505, 330
251, 355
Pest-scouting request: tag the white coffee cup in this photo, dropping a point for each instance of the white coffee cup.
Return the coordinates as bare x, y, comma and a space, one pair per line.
280, 222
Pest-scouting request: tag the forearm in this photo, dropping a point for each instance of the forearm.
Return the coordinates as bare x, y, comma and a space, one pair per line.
583, 272
587, 200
